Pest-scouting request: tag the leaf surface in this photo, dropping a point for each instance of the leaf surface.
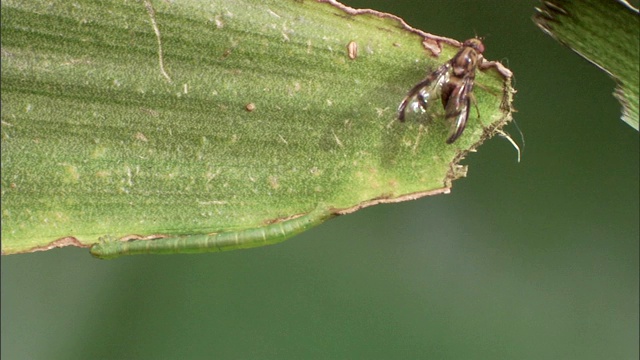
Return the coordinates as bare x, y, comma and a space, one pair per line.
606, 33
132, 119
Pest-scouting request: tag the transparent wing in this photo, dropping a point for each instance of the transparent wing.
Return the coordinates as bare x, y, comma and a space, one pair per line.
422, 94
457, 109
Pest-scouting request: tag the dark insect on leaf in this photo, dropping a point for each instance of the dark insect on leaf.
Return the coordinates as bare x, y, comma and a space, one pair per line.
453, 83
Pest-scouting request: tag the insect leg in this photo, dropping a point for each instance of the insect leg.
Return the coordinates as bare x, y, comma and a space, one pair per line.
475, 103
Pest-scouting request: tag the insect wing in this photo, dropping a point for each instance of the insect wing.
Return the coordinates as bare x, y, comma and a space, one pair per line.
420, 97
457, 109
459, 123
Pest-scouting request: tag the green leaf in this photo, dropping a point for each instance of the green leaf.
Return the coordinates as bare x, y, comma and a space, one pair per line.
131, 120
607, 33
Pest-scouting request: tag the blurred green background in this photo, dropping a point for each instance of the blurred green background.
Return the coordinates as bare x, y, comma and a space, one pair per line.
537, 260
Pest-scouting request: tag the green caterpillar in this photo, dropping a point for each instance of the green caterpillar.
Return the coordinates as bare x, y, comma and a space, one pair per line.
191, 244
